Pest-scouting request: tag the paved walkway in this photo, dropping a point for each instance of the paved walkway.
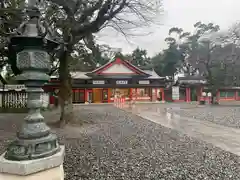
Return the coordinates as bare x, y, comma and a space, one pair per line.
226, 138
225, 115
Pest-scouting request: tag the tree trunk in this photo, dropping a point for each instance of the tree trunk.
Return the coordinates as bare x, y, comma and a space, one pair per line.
65, 90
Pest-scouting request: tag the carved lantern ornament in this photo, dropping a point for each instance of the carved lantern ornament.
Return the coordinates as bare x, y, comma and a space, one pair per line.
30, 46
32, 35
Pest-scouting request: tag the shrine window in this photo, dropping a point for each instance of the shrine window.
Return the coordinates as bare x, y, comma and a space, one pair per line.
227, 94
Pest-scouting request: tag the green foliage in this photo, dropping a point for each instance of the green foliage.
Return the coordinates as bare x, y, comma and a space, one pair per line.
219, 64
169, 61
139, 57
171, 41
183, 49
202, 28
99, 57
120, 55
82, 60
157, 62
10, 18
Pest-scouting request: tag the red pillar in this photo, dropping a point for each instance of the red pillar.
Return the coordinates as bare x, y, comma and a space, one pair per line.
85, 95
162, 92
51, 99
136, 94
130, 94
189, 95
156, 95
188, 98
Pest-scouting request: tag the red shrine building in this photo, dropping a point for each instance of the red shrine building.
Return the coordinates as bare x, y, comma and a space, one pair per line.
121, 79
116, 79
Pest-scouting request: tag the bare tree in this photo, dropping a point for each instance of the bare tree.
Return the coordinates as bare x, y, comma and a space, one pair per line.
77, 20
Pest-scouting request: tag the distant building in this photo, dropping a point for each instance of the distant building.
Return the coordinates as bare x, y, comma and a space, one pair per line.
192, 87
117, 78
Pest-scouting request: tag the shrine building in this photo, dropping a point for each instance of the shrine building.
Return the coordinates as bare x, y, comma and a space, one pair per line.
117, 78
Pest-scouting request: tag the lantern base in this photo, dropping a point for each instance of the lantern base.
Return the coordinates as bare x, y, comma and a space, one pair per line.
45, 168
29, 149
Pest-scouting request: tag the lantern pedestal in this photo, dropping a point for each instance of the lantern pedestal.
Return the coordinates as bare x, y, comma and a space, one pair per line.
49, 168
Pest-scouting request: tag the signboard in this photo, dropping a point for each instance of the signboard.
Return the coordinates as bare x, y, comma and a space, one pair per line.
175, 92
193, 81
122, 82
98, 82
15, 86
143, 82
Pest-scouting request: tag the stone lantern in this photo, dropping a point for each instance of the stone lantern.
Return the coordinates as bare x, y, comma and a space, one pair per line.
35, 149
34, 140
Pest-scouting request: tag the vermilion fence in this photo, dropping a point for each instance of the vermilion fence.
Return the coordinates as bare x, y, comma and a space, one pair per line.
119, 102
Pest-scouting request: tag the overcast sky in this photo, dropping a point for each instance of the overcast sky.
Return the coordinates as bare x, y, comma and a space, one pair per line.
178, 13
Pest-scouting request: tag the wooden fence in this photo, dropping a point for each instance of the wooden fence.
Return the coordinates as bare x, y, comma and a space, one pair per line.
18, 99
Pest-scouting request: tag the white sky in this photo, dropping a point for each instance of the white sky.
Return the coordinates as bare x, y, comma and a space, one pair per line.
178, 13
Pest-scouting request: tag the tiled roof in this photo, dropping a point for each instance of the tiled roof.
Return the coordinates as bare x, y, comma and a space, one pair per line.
76, 75
82, 75
153, 74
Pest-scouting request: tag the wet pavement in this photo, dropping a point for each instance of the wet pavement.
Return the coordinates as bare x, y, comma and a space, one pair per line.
224, 137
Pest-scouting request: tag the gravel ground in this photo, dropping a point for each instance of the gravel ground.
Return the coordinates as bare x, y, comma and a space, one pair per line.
224, 115
122, 146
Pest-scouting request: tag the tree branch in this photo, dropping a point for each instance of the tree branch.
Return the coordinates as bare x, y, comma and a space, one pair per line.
88, 12
106, 13
67, 6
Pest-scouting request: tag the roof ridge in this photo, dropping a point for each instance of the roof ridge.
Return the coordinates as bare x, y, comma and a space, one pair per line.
124, 61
